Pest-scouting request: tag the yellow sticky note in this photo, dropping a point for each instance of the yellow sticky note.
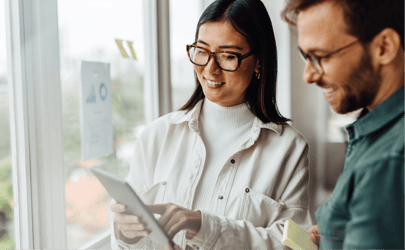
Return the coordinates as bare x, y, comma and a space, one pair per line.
121, 48
296, 237
131, 49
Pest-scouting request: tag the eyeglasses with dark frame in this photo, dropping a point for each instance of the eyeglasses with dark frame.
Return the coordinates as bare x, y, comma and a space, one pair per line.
316, 60
225, 60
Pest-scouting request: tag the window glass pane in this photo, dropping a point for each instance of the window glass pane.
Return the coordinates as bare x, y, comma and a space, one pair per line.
87, 31
181, 34
6, 190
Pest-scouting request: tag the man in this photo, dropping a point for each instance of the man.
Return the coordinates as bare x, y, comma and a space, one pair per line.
354, 50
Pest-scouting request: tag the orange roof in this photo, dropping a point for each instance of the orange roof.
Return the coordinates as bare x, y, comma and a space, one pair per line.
87, 203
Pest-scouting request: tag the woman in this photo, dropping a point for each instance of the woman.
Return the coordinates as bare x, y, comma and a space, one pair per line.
225, 171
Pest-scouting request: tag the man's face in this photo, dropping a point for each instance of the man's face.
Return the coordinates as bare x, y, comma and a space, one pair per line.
349, 80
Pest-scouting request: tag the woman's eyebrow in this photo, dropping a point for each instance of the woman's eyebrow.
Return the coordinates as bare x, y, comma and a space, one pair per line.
230, 47
222, 46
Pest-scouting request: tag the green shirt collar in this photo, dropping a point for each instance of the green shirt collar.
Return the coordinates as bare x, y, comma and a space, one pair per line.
379, 116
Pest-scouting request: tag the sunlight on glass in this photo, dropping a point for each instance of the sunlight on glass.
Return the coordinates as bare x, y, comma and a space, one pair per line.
181, 34
88, 33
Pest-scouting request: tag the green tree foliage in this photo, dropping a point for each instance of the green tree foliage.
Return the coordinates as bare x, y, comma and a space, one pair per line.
127, 104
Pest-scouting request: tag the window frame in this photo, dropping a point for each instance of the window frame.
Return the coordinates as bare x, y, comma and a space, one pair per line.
36, 124
36, 117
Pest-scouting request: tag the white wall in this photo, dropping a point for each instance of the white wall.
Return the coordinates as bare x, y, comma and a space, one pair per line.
306, 106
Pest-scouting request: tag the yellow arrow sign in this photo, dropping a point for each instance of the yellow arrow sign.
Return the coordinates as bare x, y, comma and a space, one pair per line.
121, 48
132, 49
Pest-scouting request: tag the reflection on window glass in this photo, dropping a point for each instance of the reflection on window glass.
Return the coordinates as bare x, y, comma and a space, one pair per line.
6, 189
182, 33
88, 33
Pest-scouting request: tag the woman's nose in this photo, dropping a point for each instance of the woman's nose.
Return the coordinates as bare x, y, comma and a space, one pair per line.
212, 66
310, 75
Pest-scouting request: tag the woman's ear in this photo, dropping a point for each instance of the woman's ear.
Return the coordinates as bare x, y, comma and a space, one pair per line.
258, 66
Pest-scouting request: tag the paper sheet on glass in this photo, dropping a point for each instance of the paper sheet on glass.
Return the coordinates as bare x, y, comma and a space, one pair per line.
96, 112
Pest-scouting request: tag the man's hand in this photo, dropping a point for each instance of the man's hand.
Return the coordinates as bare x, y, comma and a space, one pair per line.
314, 235
175, 218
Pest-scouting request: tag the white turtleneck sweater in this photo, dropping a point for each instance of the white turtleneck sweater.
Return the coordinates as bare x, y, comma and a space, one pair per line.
223, 130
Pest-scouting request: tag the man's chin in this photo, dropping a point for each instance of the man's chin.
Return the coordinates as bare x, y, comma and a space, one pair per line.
341, 109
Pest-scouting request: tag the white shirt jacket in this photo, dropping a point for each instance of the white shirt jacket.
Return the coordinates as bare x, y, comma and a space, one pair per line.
264, 183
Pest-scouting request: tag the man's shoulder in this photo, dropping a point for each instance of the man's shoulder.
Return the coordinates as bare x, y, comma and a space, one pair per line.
389, 140
379, 167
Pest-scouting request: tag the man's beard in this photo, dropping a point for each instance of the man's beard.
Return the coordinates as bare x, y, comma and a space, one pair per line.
361, 88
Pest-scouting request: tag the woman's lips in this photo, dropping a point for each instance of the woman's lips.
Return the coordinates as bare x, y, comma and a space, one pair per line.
214, 84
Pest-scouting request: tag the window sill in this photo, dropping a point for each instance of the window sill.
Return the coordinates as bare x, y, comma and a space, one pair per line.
98, 242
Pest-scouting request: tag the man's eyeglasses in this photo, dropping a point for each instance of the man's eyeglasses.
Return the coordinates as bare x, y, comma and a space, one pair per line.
316, 60
228, 61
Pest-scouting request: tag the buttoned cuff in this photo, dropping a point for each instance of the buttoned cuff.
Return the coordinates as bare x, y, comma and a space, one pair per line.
209, 231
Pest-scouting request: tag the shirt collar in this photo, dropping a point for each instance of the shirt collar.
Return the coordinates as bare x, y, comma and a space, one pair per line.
192, 118
379, 116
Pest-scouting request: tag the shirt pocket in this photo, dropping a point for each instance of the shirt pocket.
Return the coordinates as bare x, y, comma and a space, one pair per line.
155, 194
258, 208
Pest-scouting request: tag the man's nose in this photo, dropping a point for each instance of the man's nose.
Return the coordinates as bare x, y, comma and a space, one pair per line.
212, 67
310, 75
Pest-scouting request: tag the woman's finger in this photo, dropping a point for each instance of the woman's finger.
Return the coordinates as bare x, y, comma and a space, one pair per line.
132, 234
117, 208
131, 227
126, 218
168, 214
173, 230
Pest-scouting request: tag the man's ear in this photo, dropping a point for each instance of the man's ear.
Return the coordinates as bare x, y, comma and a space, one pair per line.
386, 46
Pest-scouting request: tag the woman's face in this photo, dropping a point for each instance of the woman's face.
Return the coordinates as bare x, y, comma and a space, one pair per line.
223, 87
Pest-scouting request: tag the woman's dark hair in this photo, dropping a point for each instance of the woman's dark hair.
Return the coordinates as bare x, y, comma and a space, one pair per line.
249, 18
365, 18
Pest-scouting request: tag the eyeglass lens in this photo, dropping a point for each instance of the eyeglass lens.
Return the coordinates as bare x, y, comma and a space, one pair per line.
226, 61
314, 61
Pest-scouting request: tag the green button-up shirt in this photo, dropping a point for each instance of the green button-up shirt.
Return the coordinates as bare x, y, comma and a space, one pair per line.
366, 209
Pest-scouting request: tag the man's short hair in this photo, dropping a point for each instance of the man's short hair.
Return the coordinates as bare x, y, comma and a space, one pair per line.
365, 18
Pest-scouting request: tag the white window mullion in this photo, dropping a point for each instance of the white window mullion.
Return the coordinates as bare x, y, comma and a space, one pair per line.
151, 79
163, 29
158, 97
19, 126
37, 111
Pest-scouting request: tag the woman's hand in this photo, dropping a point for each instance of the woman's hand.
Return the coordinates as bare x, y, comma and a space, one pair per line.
175, 218
127, 227
314, 235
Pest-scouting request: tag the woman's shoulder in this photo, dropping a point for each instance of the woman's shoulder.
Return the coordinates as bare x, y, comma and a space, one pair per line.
289, 133
165, 123
292, 132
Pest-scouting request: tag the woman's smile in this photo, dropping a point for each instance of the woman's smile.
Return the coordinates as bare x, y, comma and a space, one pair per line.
214, 84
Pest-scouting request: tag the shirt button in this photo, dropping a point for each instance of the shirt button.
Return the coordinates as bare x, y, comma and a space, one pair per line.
232, 161
247, 190
163, 183
220, 197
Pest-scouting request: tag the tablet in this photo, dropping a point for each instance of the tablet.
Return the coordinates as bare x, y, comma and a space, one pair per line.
122, 193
